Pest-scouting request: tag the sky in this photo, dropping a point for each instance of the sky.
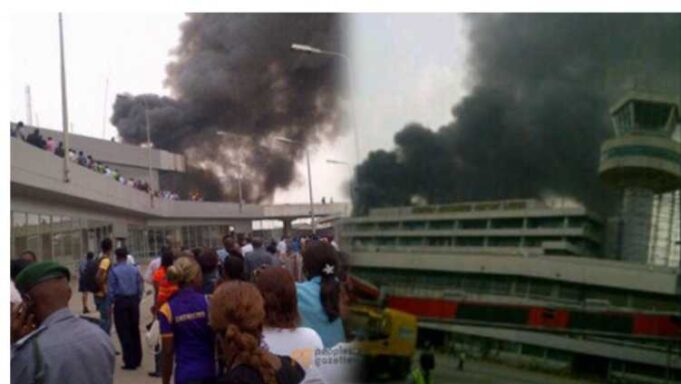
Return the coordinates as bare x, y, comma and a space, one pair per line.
404, 68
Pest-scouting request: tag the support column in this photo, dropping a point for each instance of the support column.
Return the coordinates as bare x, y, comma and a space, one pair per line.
287, 227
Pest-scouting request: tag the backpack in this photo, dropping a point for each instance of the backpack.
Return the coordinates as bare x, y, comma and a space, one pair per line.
90, 276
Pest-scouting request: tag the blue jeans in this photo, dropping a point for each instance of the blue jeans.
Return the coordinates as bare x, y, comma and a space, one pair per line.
104, 307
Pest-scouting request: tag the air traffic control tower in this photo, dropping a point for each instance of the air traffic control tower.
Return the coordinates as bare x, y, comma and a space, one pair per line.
643, 160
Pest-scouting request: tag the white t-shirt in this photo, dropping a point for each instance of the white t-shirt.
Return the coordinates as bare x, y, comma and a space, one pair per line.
300, 344
151, 269
281, 247
246, 248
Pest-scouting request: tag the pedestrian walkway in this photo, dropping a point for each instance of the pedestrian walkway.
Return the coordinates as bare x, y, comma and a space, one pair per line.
139, 376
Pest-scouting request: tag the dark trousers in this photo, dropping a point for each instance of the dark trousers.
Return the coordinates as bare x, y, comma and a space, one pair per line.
104, 307
127, 321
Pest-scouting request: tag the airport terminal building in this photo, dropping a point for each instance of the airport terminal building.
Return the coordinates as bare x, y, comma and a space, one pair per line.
522, 281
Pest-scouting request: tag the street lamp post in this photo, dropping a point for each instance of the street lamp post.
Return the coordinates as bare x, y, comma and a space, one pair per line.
304, 48
308, 49
352, 180
64, 102
146, 118
309, 179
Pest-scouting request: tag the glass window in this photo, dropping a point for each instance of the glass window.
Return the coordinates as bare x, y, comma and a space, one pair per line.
18, 219
76, 245
473, 224
70, 251
45, 224
32, 223
540, 288
32, 244
58, 245
651, 116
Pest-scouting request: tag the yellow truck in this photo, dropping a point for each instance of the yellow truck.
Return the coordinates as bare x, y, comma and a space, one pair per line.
386, 339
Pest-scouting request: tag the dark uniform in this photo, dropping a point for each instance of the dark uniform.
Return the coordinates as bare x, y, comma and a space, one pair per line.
64, 348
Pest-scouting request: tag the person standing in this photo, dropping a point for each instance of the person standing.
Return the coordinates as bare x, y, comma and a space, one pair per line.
233, 269
319, 297
246, 244
210, 263
101, 298
50, 345
125, 292
293, 262
49, 145
257, 258
59, 151
29, 256
237, 315
163, 290
422, 373
282, 334
281, 246
229, 246
154, 264
186, 338
89, 258
19, 131
35, 139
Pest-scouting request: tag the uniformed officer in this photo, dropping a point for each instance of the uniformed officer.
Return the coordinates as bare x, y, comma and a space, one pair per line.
50, 345
125, 292
422, 374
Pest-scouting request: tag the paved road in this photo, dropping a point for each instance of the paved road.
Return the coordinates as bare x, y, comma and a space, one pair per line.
139, 376
480, 372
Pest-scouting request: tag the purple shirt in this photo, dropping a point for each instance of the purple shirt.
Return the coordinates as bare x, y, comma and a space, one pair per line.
185, 316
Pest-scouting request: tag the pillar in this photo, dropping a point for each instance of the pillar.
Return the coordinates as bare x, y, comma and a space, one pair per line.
287, 227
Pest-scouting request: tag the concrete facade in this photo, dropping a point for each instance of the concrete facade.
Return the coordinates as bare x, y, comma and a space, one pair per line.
95, 206
509, 226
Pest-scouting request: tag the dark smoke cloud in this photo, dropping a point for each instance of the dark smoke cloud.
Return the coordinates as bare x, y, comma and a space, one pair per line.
235, 73
537, 112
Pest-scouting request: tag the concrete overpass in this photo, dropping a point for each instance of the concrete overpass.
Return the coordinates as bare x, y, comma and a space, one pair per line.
38, 174
38, 188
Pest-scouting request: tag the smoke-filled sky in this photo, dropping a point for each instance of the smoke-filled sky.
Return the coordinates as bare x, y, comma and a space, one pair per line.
533, 123
407, 67
495, 105
235, 74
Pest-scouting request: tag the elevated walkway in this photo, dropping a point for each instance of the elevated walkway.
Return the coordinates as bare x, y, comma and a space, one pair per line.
37, 175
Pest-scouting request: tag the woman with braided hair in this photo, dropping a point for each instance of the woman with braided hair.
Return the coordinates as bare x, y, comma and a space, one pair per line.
237, 316
319, 298
185, 333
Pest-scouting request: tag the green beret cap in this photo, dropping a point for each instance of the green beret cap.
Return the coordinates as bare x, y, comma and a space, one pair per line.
38, 272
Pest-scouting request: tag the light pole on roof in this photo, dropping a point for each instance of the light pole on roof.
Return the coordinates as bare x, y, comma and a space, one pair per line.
305, 48
308, 49
309, 177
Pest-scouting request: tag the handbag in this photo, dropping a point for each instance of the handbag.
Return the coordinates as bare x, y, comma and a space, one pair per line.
153, 335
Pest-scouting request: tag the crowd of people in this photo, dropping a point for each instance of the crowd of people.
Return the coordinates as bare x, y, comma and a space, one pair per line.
244, 313
36, 139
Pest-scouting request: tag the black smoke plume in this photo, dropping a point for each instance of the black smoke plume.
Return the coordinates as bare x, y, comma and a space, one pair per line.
235, 73
536, 115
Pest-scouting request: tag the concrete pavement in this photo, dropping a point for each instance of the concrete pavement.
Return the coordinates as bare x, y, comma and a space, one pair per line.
482, 372
139, 376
